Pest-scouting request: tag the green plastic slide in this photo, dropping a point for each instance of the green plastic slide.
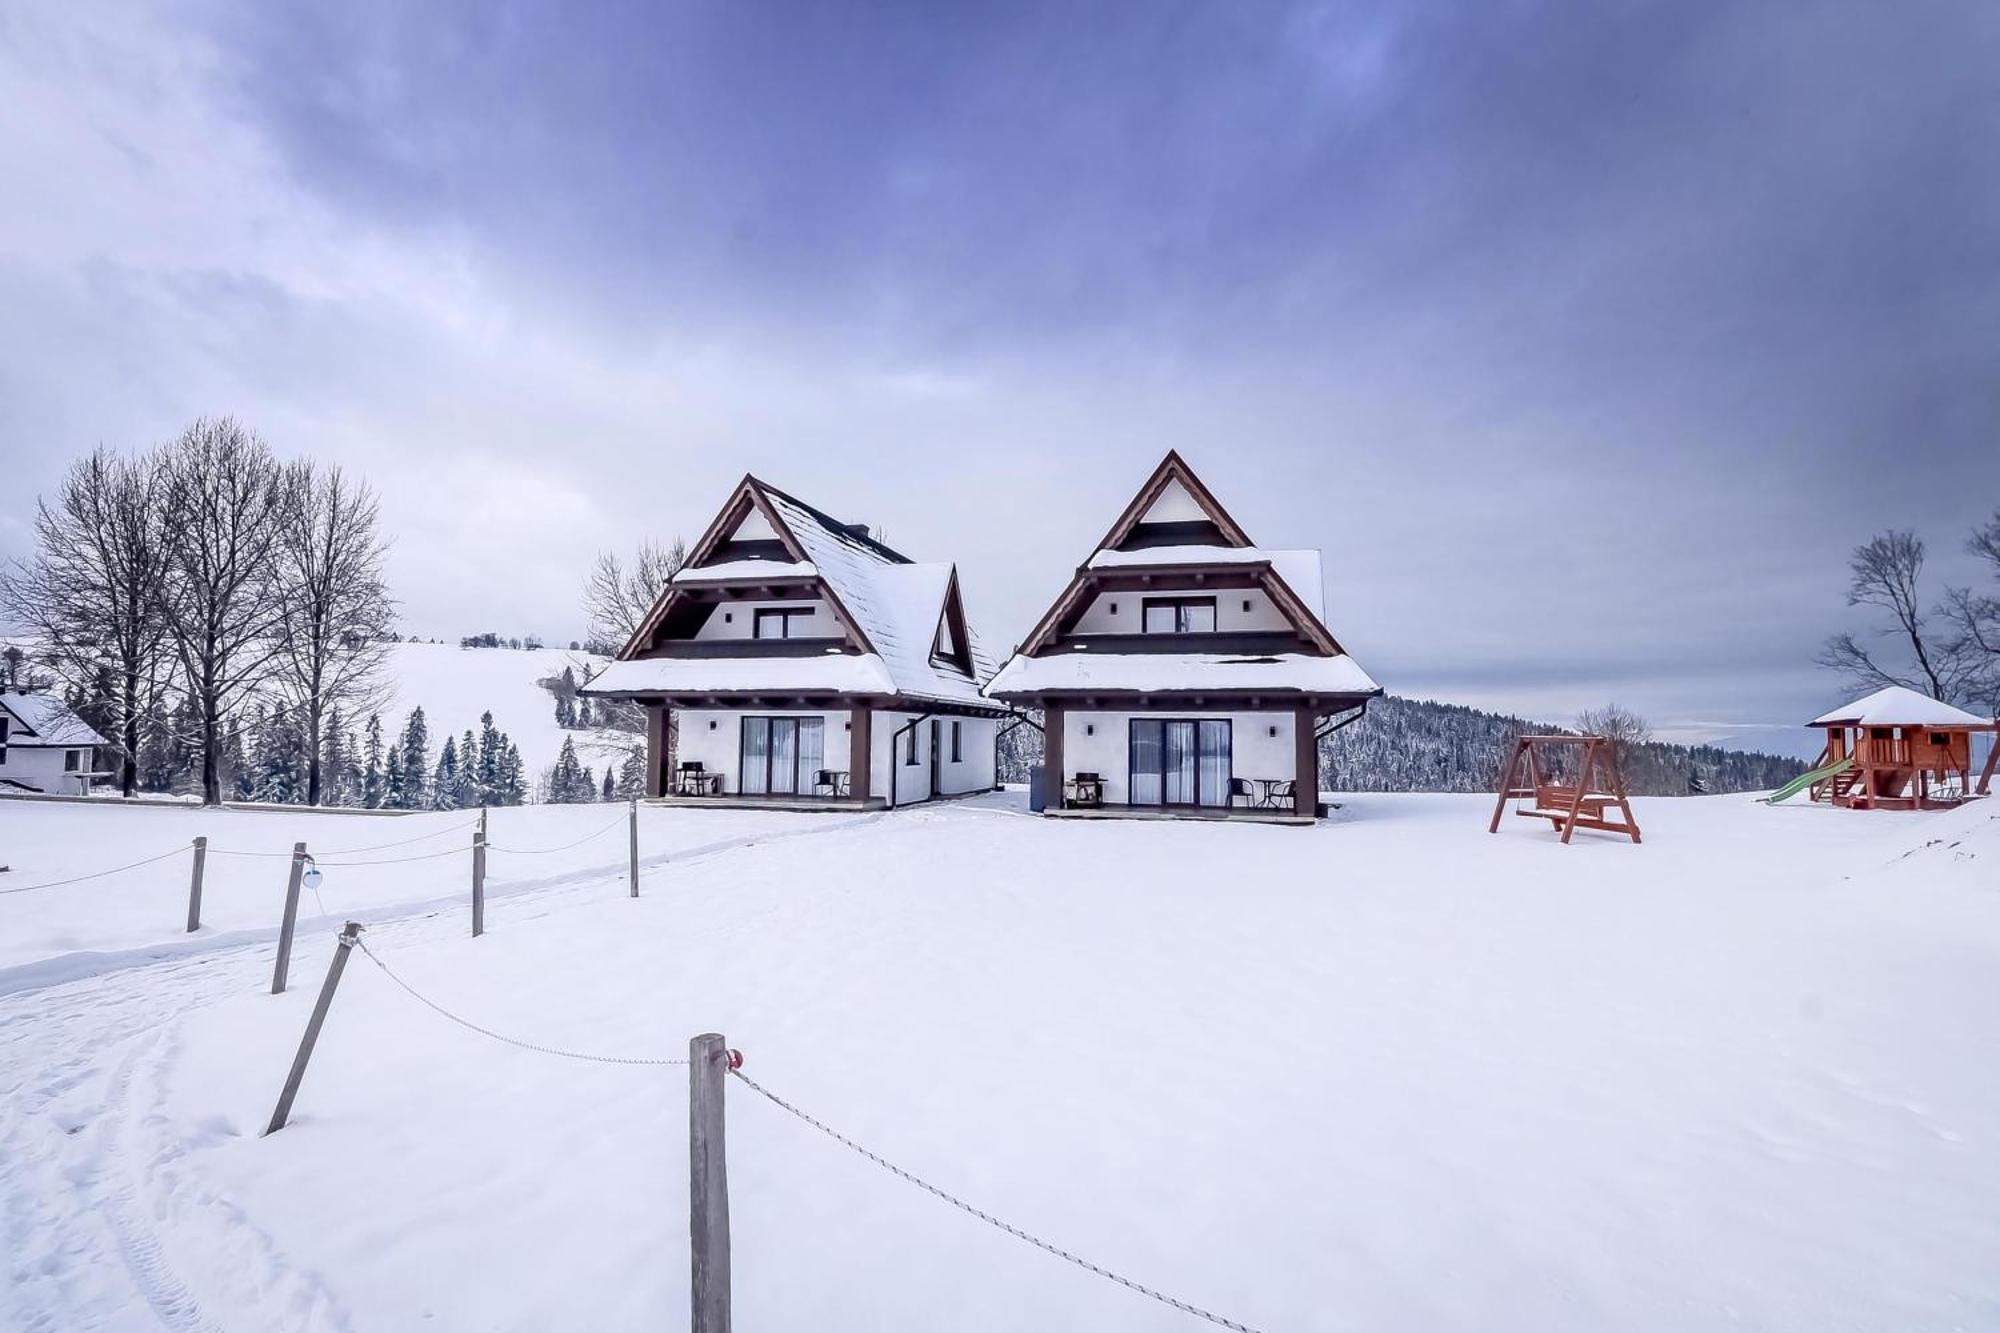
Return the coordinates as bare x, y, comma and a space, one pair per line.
1804, 780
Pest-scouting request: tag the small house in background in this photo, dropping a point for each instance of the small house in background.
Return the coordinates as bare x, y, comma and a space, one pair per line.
45, 747
805, 662
1897, 749
1185, 669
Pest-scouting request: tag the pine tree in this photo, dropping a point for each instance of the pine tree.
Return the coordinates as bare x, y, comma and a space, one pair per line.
444, 781
277, 772
416, 761
632, 776
334, 761
468, 795
372, 789
565, 711
610, 791
563, 778
395, 793
492, 754
583, 710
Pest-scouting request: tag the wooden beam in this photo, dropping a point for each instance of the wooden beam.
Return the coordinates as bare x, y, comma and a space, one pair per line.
861, 752
1305, 778
1052, 755
656, 749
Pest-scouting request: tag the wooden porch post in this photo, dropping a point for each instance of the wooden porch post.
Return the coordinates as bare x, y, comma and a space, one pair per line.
861, 752
1305, 767
656, 749
1052, 754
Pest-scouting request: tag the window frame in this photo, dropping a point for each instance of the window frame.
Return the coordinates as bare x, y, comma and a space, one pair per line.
1180, 605
783, 615
957, 749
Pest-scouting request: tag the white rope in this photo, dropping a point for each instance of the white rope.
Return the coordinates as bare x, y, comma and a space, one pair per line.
439, 1009
987, 1217
95, 874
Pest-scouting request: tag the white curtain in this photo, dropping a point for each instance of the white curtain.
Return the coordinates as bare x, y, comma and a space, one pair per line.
784, 755
1215, 762
811, 750
1145, 768
756, 755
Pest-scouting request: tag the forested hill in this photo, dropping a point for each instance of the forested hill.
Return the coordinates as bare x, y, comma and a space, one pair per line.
1417, 745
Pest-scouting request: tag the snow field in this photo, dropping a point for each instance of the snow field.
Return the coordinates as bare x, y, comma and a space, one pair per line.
1391, 1072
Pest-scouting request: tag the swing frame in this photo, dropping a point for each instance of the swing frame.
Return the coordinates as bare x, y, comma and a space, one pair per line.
1587, 803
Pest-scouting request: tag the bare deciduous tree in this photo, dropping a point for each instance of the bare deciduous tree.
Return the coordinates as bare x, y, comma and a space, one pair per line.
1625, 729
334, 610
1886, 573
90, 591
616, 597
224, 512
1975, 620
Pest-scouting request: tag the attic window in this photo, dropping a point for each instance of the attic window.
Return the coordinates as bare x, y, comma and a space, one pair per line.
785, 622
1939, 739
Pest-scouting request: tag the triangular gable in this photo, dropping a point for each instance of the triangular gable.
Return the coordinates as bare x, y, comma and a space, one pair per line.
1172, 487
953, 640
747, 510
1169, 491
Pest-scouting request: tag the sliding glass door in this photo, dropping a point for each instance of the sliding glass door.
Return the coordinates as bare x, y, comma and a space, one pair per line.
1179, 762
781, 755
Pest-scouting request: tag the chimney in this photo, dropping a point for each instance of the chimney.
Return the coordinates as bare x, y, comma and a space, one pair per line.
858, 529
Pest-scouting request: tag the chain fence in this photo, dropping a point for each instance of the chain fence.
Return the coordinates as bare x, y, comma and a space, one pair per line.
484, 1031
1047, 1247
97, 874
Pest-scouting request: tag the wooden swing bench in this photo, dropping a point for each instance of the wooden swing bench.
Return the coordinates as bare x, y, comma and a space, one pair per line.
1585, 803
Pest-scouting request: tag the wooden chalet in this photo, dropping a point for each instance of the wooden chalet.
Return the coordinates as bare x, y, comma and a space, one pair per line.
797, 660
1185, 670
1897, 749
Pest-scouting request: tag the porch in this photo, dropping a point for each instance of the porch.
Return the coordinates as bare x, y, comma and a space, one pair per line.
1215, 814
804, 805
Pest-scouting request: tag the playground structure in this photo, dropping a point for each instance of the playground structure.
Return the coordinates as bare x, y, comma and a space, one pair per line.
1895, 749
1537, 771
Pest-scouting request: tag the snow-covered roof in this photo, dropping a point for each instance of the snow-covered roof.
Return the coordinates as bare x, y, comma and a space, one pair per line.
46, 720
1186, 672
733, 570
1299, 569
896, 604
1898, 706
834, 672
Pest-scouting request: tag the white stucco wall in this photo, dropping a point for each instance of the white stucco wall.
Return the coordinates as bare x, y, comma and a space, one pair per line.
713, 737
737, 620
41, 768
972, 772
718, 748
1099, 742
1230, 613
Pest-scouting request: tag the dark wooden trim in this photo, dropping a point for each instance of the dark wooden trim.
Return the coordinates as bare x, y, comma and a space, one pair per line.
1249, 701
1173, 468
656, 749
725, 648
1305, 763
1234, 643
861, 751
1052, 755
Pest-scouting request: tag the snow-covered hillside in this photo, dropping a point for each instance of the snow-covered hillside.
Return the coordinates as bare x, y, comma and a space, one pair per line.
455, 685
1389, 1073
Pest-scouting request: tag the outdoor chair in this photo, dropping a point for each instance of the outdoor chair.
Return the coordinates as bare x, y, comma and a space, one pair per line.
1241, 787
1280, 795
834, 780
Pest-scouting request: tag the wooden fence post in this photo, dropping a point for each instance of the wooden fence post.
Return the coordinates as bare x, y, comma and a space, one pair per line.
708, 1184
635, 848
283, 970
194, 883
348, 935
479, 883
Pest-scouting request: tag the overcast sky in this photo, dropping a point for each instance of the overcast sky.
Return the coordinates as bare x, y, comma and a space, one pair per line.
1583, 340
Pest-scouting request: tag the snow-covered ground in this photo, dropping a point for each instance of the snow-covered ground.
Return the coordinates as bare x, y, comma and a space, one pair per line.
1389, 1073
455, 685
